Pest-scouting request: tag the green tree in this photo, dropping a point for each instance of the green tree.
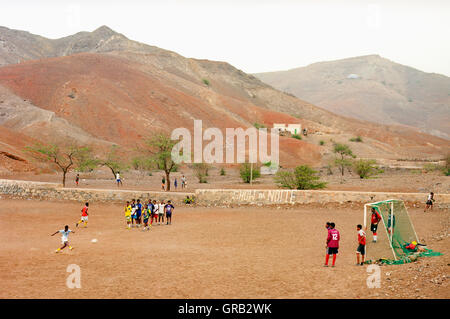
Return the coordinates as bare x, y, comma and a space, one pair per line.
344, 156
366, 168
302, 177
64, 157
113, 160
246, 172
159, 148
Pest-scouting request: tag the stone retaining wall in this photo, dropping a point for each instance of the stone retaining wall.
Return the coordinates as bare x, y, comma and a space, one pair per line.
210, 197
219, 197
53, 191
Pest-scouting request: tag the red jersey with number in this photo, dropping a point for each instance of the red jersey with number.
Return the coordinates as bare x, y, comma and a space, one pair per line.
333, 238
84, 211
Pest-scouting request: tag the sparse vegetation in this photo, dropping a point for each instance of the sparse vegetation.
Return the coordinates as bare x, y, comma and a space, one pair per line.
65, 158
447, 165
345, 156
258, 125
143, 165
201, 171
366, 168
113, 161
302, 177
297, 136
321, 142
222, 172
356, 139
206, 82
246, 172
159, 149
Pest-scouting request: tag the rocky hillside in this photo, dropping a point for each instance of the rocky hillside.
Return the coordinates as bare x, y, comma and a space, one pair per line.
374, 89
101, 88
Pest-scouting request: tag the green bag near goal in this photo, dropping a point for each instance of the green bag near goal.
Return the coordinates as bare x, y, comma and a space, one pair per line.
397, 240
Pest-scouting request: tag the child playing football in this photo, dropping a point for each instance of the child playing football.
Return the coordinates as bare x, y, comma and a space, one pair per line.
128, 215
332, 244
84, 216
161, 212
169, 209
64, 238
361, 249
145, 217
374, 220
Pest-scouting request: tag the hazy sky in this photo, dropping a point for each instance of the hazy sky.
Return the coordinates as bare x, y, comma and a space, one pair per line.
256, 36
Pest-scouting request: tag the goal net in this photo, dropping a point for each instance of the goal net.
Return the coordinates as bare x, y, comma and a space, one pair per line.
395, 231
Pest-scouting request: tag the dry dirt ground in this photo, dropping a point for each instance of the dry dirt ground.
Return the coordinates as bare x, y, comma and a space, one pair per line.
206, 253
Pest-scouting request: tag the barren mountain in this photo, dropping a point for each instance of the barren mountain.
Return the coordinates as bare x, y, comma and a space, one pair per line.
374, 89
119, 91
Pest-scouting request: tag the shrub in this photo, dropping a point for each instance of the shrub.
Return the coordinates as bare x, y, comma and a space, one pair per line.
321, 142
201, 172
302, 177
206, 82
245, 172
356, 139
297, 136
366, 168
258, 125
431, 167
447, 165
222, 172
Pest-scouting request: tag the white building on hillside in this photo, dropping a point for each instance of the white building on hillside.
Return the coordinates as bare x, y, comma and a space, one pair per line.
291, 128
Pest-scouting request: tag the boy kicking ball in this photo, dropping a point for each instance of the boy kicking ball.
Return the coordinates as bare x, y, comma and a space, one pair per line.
84, 216
64, 238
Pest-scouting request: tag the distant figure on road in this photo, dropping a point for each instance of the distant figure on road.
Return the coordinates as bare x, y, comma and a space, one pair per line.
118, 179
183, 182
430, 201
77, 179
163, 183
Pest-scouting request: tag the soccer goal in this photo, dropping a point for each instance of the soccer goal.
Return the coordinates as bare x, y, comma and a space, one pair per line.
395, 230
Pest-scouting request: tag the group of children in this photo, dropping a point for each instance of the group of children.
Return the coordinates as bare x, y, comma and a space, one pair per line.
137, 214
332, 246
333, 238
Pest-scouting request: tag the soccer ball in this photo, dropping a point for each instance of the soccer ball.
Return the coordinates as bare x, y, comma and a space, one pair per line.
94, 240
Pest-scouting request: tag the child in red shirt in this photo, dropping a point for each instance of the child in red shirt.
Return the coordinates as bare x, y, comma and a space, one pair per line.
361, 249
332, 244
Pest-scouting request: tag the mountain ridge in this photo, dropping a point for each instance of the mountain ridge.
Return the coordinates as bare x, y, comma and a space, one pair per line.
372, 88
115, 93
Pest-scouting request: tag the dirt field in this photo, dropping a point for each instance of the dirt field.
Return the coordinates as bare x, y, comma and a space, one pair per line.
206, 253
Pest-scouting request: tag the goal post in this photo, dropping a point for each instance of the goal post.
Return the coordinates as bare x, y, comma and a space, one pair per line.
395, 230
